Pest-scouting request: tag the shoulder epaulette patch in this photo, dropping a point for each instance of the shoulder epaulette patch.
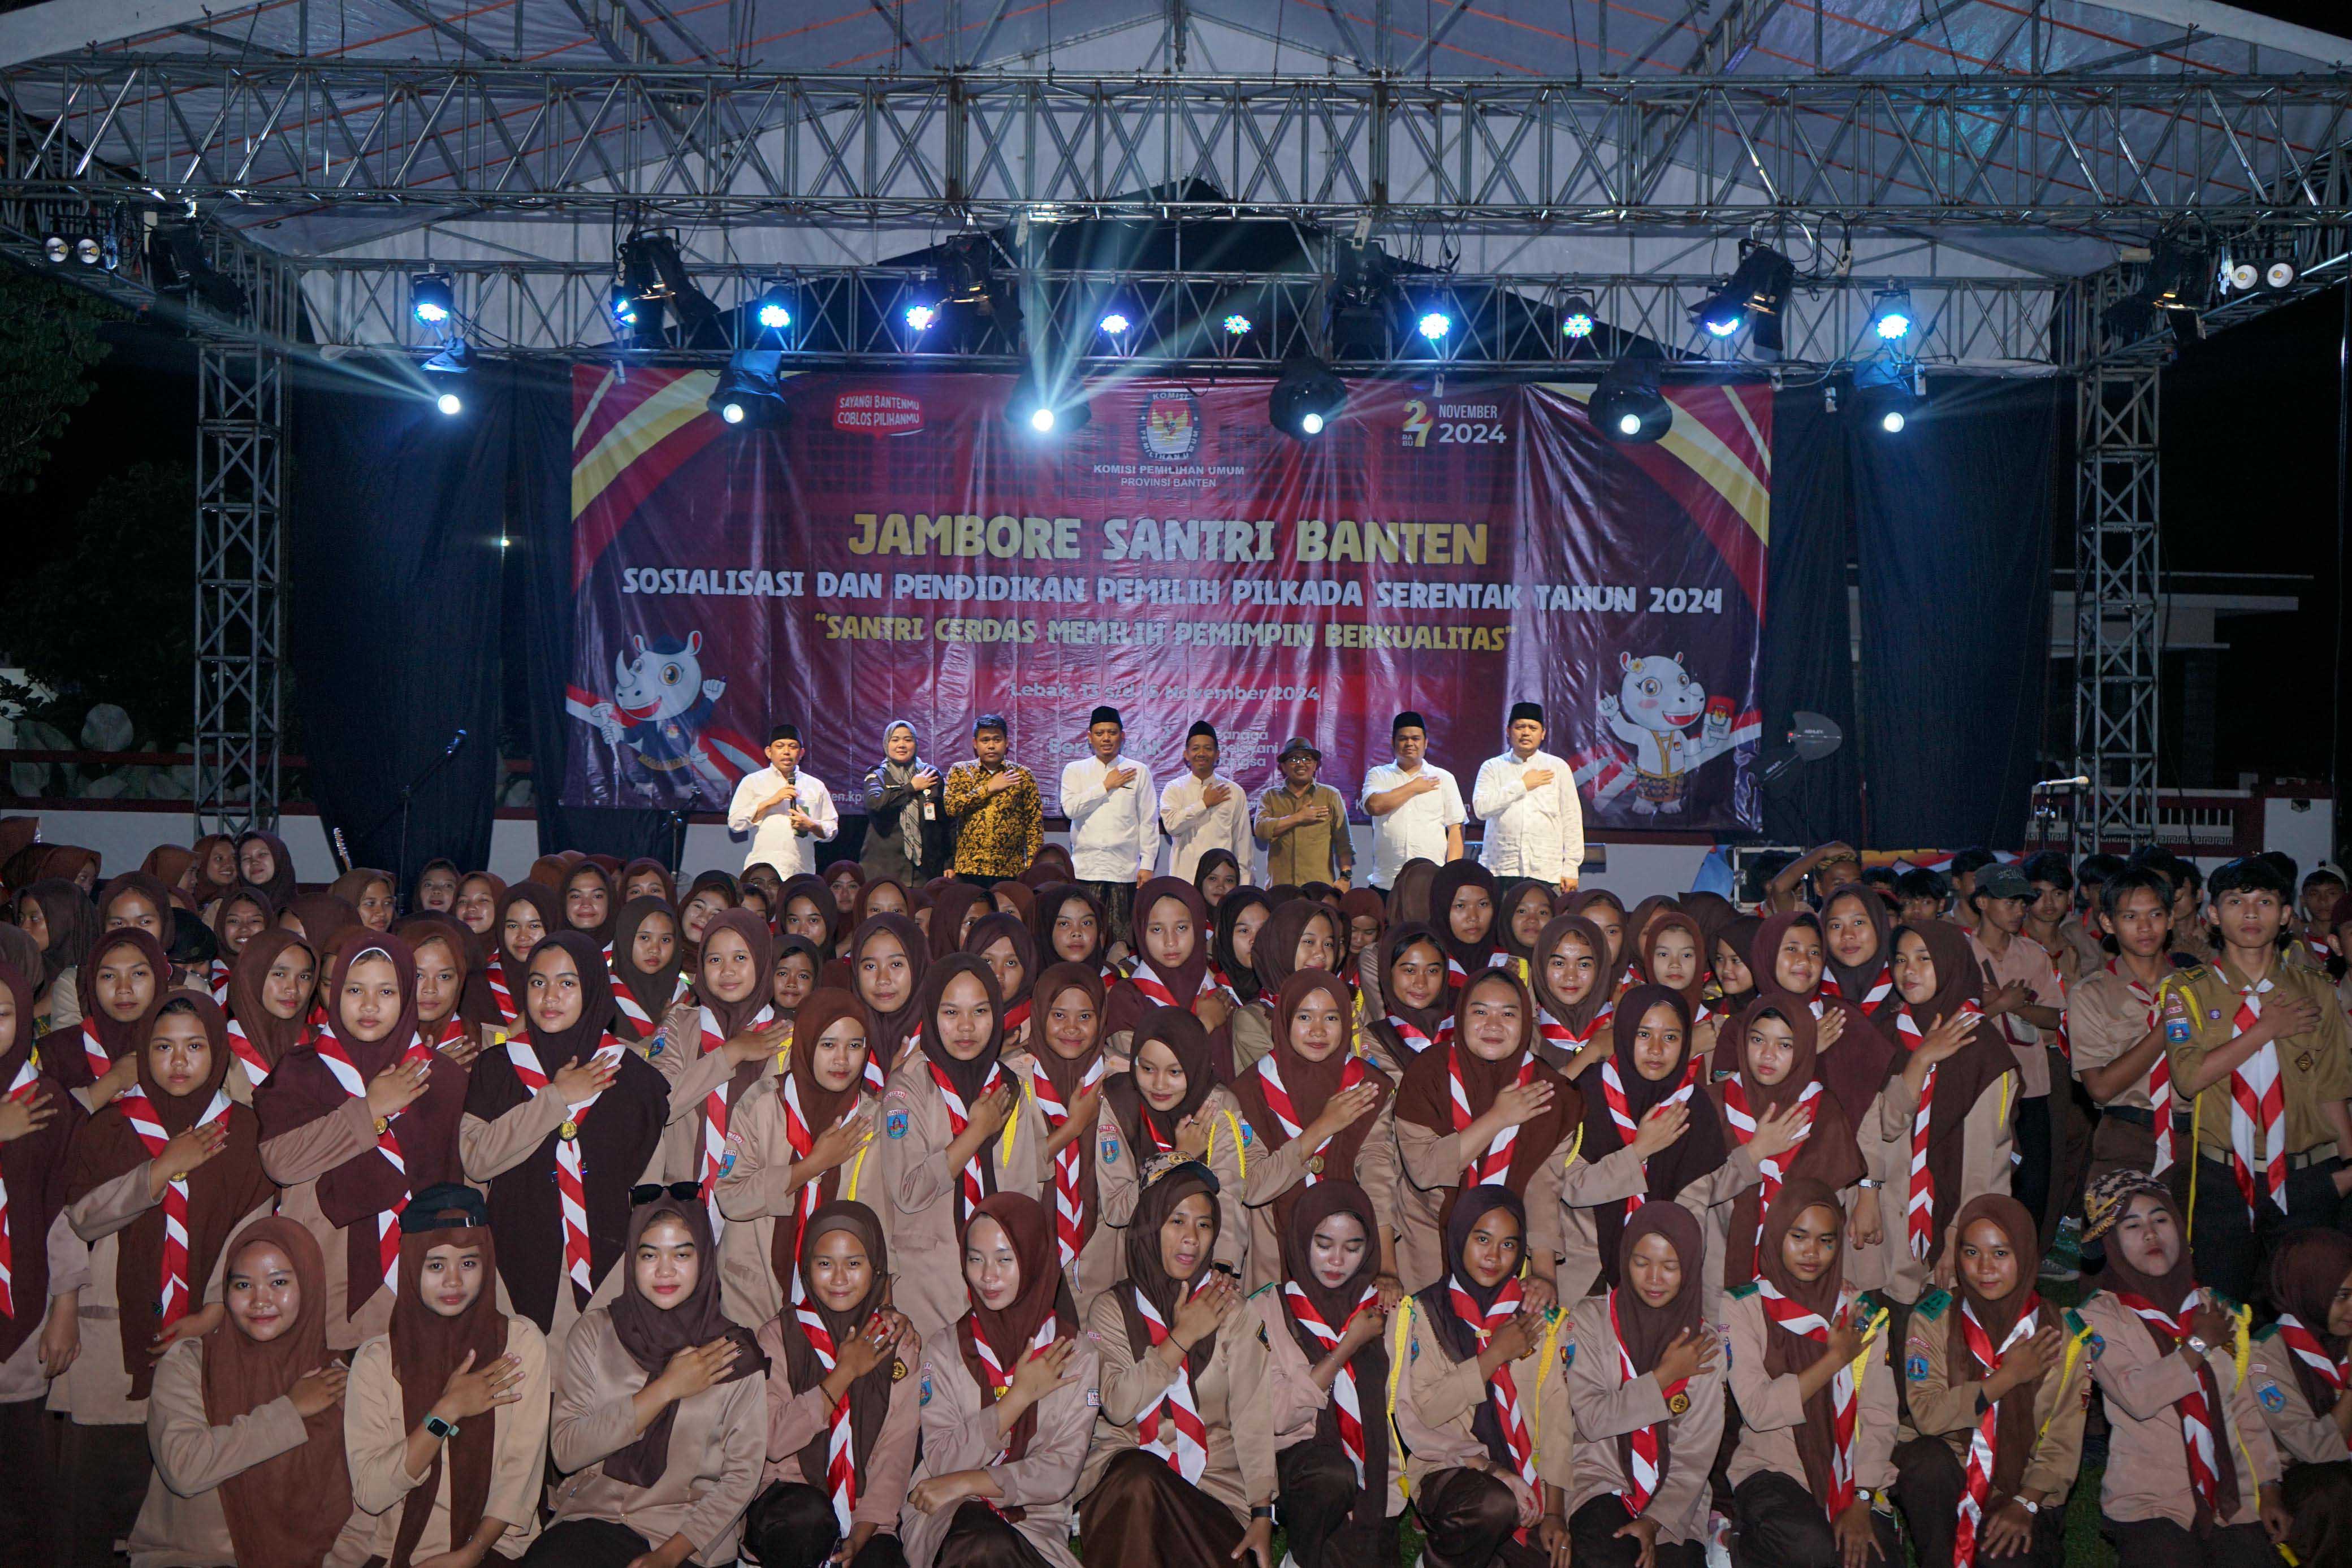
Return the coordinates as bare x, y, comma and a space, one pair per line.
1933, 1304
1741, 1293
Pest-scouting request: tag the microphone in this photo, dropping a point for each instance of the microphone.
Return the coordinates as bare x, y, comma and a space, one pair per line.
455, 741
2080, 781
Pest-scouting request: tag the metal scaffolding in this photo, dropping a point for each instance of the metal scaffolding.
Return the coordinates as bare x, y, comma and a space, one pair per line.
240, 428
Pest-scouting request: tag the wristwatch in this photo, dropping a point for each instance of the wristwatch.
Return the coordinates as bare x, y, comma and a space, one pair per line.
2196, 1344
445, 1430
1868, 1495
2030, 1508
1870, 1184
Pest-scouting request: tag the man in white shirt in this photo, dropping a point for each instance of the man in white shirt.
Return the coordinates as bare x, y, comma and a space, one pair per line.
1114, 827
1415, 804
1204, 809
1526, 797
787, 813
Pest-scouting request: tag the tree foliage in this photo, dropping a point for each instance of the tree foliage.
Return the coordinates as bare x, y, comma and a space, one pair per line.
49, 343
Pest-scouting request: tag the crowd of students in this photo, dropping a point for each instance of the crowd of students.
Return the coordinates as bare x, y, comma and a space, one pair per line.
832, 1219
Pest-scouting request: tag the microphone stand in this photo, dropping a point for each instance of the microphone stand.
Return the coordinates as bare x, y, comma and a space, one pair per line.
407, 797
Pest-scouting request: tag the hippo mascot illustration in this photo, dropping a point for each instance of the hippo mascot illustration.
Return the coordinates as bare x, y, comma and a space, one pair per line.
1654, 752
659, 723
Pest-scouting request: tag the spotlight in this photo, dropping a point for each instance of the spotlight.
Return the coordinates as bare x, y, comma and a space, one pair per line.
731, 410
1576, 322
450, 403
1047, 408
1753, 297
179, 264
455, 358
1307, 398
1237, 325
1435, 324
431, 299
1115, 324
1627, 404
774, 312
57, 248
623, 304
2279, 275
86, 250
655, 273
1890, 314
2180, 278
920, 317
1887, 396
2241, 275
750, 391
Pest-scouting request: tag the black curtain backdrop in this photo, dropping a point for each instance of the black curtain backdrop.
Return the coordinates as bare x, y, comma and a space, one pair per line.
404, 610
1808, 642
1952, 521
391, 558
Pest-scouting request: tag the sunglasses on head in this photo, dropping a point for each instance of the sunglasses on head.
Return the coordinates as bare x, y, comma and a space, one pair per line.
655, 1191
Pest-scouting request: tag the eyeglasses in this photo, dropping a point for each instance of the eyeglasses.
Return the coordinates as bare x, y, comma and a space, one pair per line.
654, 1192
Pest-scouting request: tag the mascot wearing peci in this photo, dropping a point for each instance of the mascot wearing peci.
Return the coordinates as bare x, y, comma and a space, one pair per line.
658, 724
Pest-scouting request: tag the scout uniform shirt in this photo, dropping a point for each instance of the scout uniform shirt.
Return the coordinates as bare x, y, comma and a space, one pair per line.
2104, 1019
1773, 1411
1605, 1407
1941, 1407
2147, 1461
2199, 1010
1036, 1493
1437, 1399
2303, 1435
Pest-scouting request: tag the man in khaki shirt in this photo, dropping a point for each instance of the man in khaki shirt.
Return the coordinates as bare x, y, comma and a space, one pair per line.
2023, 998
2118, 1039
1304, 824
2300, 1026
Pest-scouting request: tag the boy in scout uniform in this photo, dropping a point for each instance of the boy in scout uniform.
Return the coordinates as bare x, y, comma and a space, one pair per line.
2259, 1049
2112, 1024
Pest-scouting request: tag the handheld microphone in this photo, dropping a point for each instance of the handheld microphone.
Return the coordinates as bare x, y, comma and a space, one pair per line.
2080, 780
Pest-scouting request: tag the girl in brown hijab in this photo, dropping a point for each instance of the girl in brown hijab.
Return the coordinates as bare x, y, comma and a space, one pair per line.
263, 860
319, 917
997, 1493
1069, 927
1409, 894
270, 994
1646, 1392
1462, 910
1733, 983
452, 1355
125, 980
62, 919
1673, 953
1607, 911
1002, 942
660, 1418
1300, 933
889, 955
134, 898
1232, 949
645, 877
1170, 1104
479, 896
238, 917
1807, 1366
528, 915
805, 907
649, 976
1775, 1044
354, 1124
1066, 1075
155, 1185
1172, 960
1178, 1463
443, 965
1483, 1110
588, 902
1858, 934
2297, 1368
1988, 1373
842, 1406
955, 909
1408, 986
37, 1123
216, 866
1320, 1112
247, 1426
1569, 977
370, 894
1947, 1114
802, 1138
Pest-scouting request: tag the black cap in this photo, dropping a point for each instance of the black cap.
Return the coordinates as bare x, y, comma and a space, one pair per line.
790, 732
1408, 720
1527, 710
1106, 715
447, 1206
1201, 726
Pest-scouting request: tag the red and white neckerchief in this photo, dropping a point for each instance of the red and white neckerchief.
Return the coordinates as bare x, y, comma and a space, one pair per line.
1870, 1001
2196, 1415
2306, 1348
969, 1189
93, 1051
1018, 1014
173, 1298
331, 1051
1494, 1163
450, 1032
1568, 1039
801, 1135
1844, 1408
220, 972
628, 1007
1643, 1474
248, 1055
1776, 1169
1286, 1115
571, 1176
500, 993
2257, 1106
715, 1111
1502, 1389
2159, 1071
1070, 1201
27, 1079
1921, 1206
1000, 1376
1146, 978
1620, 1114
1346, 1405
1979, 1479
1414, 1039
1172, 1429
1457, 977
840, 1452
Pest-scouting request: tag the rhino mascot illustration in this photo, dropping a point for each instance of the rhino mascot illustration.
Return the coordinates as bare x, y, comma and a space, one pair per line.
658, 722
1651, 716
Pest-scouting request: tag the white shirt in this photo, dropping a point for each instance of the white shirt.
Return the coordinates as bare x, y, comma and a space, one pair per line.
774, 842
1114, 834
1416, 829
1193, 829
1534, 832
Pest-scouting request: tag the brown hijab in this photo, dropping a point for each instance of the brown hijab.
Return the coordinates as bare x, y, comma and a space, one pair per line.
33, 1168
353, 885
892, 1030
1044, 1294
282, 886
72, 921
286, 1512
1426, 1096
1451, 879
1336, 1306
990, 929
1518, 891
1699, 1152
1310, 1084
1067, 1075
2306, 1270
1645, 960
1962, 1077
1409, 894
1788, 1354
1578, 1017
272, 1036
153, 890
1764, 946
1430, 1020
1854, 981
646, 866
869, 1396
821, 1107
819, 896
968, 1078
1149, 1276
1646, 1331
427, 1348
1148, 1131
651, 1336
948, 906
1579, 902
1275, 955
115, 1036
2013, 1429
221, 1192
1459, 1336
1830, 1153
651, 989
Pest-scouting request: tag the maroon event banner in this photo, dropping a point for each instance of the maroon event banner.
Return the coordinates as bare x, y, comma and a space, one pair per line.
900, 549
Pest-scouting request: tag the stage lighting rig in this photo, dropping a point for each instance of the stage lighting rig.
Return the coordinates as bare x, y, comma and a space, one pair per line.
1889, 393
431, 299
1307, 398
751, 389
450, 403
177, 261
1753, 299
1577, 319
1627, 405
653, 271
2179, 283
1890, 314
1364, 299
773, 311
1046, 407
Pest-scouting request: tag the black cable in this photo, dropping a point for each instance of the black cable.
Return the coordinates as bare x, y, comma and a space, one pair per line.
2342, 525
